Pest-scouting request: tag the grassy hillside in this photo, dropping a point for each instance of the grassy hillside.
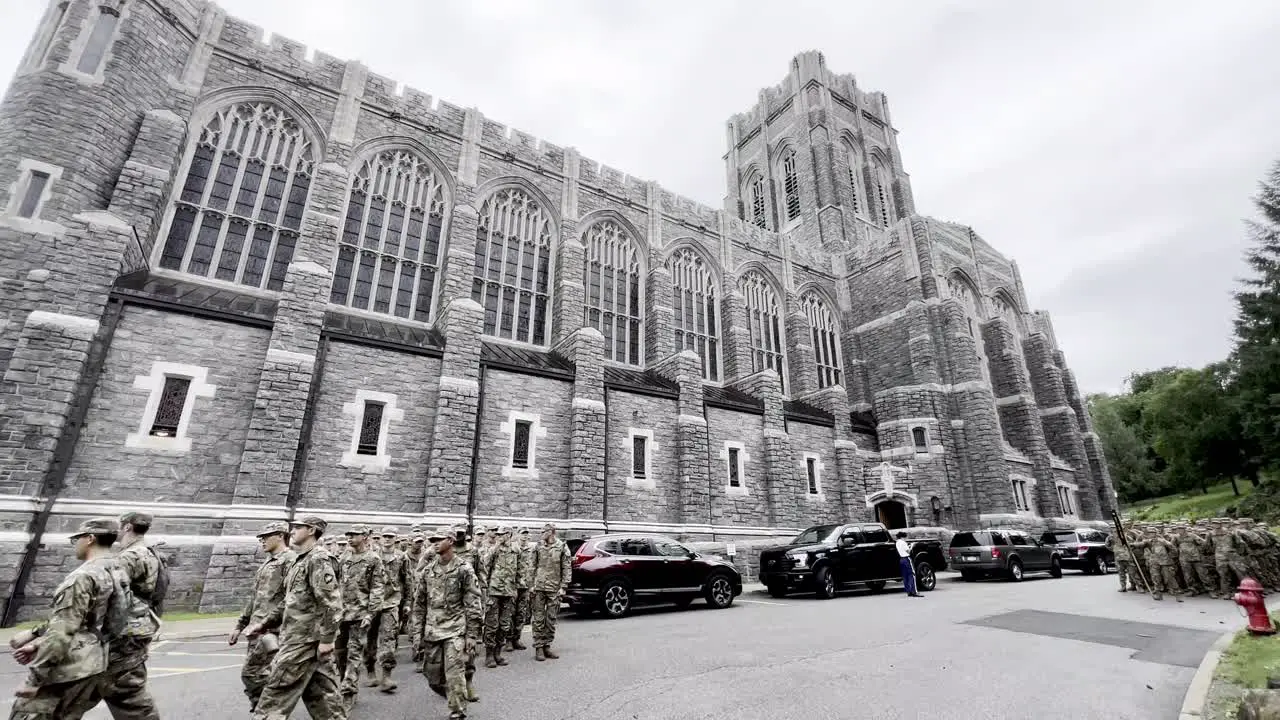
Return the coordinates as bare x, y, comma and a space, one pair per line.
1192, 505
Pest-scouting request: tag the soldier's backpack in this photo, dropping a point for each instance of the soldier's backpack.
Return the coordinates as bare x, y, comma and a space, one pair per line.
119, 606
161, 591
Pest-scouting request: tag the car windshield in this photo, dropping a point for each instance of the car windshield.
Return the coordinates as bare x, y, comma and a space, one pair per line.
970, 540
815, 535
1059, 537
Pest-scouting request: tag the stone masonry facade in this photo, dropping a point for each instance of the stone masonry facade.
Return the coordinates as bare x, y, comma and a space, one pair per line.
239, 283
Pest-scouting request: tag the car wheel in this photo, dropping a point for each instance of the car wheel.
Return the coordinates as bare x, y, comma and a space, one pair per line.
826, 583
615, 598
1015, 570
719, 591
1055, 568
876, 585
926, 578
968, 575
1100, 564
778, 591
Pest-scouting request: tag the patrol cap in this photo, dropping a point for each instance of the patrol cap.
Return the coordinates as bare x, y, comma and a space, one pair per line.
415, 528
548, 526
273, 528
97, 526
359, 529
311, 521
480, 530
524, 531
418, 539
136, 518
504, 530
388, 530
439, 533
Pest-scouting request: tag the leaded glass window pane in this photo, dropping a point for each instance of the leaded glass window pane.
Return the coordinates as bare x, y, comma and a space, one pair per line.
735, 479
825, 335
36, 183
99, 40
759, 207
513, 266
791, 186
611, 280
370, 429
883, 188
173, 399
639, 450
520, 444
764, 324
238, 214
694, 301
855, 180
811, 466
919, 439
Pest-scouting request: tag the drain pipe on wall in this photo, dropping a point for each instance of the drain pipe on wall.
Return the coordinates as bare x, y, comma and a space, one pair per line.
304, 436
475, 453
604, 503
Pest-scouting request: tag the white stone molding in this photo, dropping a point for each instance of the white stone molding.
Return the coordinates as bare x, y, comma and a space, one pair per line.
588, 404
381, 461
536, 432
1029, 488
889, 489
289, 357
78, 46
464, 385
818, 468
1073, 497
46, 33
741, 489
18, 188
44, 318
154, 385
648, 482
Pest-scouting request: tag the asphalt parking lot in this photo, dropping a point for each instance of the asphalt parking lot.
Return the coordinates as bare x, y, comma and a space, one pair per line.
1044, 648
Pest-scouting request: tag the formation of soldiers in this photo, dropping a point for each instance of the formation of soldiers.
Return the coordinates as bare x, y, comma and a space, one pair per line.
1196, 557
94, 646
323, 610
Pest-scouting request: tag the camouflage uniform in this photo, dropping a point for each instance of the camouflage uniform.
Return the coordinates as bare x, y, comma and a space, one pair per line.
1228, 558
523, 586
1164, 567
71, 652
446, 609
551, 575
267, 597
465, 552
124, 684
307, 618
502, 569
1124, 567
1269, 553
1194, 571
361, 582
385, 629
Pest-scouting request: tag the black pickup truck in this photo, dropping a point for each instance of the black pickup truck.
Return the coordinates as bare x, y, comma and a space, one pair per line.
825, 558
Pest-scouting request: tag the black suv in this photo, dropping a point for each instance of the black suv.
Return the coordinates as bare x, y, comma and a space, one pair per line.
1082, 549
826, 557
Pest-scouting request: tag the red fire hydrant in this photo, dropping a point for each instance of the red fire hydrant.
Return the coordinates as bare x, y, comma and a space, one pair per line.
1250, 598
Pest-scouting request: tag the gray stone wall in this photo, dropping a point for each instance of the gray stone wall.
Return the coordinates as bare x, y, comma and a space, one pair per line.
633, 501
752, 508
820, 441
519, 493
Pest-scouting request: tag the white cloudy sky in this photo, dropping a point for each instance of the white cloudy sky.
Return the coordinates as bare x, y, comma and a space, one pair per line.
1111, 148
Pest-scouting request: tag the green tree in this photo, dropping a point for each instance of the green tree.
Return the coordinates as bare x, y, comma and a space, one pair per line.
1194, 425
1128, 455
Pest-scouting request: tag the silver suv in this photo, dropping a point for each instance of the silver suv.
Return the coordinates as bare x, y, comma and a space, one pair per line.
1007, 553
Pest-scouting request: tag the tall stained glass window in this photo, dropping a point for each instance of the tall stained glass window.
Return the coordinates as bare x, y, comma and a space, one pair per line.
826, 338
238, 214
694, 301
612, 283
759, 207
764, 324
791, 186
513, 266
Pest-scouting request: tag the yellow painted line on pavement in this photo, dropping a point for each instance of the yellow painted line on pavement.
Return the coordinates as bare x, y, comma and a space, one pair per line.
162, 672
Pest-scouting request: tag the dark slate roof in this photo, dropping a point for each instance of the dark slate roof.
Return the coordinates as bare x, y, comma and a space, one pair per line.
639, 381
382, 333
804, 412
195, 298
731, 399
864, 422
501, 356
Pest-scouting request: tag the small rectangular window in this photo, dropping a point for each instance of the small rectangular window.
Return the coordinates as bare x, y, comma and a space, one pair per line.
920, 438
520, 444
99, 40
173, 399
639, 456
36, 183
370, 428
40, 53
735, 479
811, 464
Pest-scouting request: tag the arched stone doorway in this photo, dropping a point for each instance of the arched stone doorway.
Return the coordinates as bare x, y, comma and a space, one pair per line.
892, 514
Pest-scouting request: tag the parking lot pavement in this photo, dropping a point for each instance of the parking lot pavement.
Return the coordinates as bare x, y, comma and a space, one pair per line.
1044, 648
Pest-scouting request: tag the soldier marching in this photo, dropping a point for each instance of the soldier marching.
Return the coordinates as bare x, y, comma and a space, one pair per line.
1198, 557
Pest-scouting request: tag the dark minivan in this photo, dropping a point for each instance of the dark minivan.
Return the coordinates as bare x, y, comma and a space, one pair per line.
613, 573
1005, 553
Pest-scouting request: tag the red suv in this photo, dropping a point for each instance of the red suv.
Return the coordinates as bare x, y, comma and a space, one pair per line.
613, 573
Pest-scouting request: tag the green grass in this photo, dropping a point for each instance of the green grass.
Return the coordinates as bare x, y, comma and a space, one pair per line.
1190, 505
180, 616
1250, 660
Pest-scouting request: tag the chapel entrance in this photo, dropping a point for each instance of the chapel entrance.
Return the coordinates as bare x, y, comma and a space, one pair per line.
892, 514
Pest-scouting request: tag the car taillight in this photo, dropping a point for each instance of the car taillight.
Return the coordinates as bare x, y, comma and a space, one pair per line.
1082, 548
583, 555
995, 554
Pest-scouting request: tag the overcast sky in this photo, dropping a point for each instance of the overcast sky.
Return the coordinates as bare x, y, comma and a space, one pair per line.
1110, 148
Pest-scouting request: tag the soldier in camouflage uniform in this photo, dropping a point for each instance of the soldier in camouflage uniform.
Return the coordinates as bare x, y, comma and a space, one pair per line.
361, 579
1124, 567
1138, 547
380, 653
447, 616
465, 552
124, 684
67, 653
1194, 571
552, 570
523, 585
1269, 553
267, 597
1228, 557
308, 620
502, 571
1164, 561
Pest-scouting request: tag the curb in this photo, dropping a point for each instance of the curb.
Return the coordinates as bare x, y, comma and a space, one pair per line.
1193, 703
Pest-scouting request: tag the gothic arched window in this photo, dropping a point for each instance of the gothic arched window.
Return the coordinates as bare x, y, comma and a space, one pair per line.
1002, 306
791, 185
826, 338
613, 302
883, 191
764, 323
513, 266
756, 197
389, 252
694, 301
238, 214
959, 287
855, 180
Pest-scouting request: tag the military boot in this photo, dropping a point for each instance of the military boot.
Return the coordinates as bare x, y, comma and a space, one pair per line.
551, 654
472, 695
372, 677
489, 660
497, 656
385, 683
517, 645
539, 654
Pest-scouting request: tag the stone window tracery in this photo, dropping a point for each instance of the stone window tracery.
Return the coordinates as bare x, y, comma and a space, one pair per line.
764, 324
1003, 307
759, 207
389, 250
173, 399
825, 335
958, 287
883, 189
238, 214
791, 186
694, 302
370, 428
614, 304
513, 266
855, 180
